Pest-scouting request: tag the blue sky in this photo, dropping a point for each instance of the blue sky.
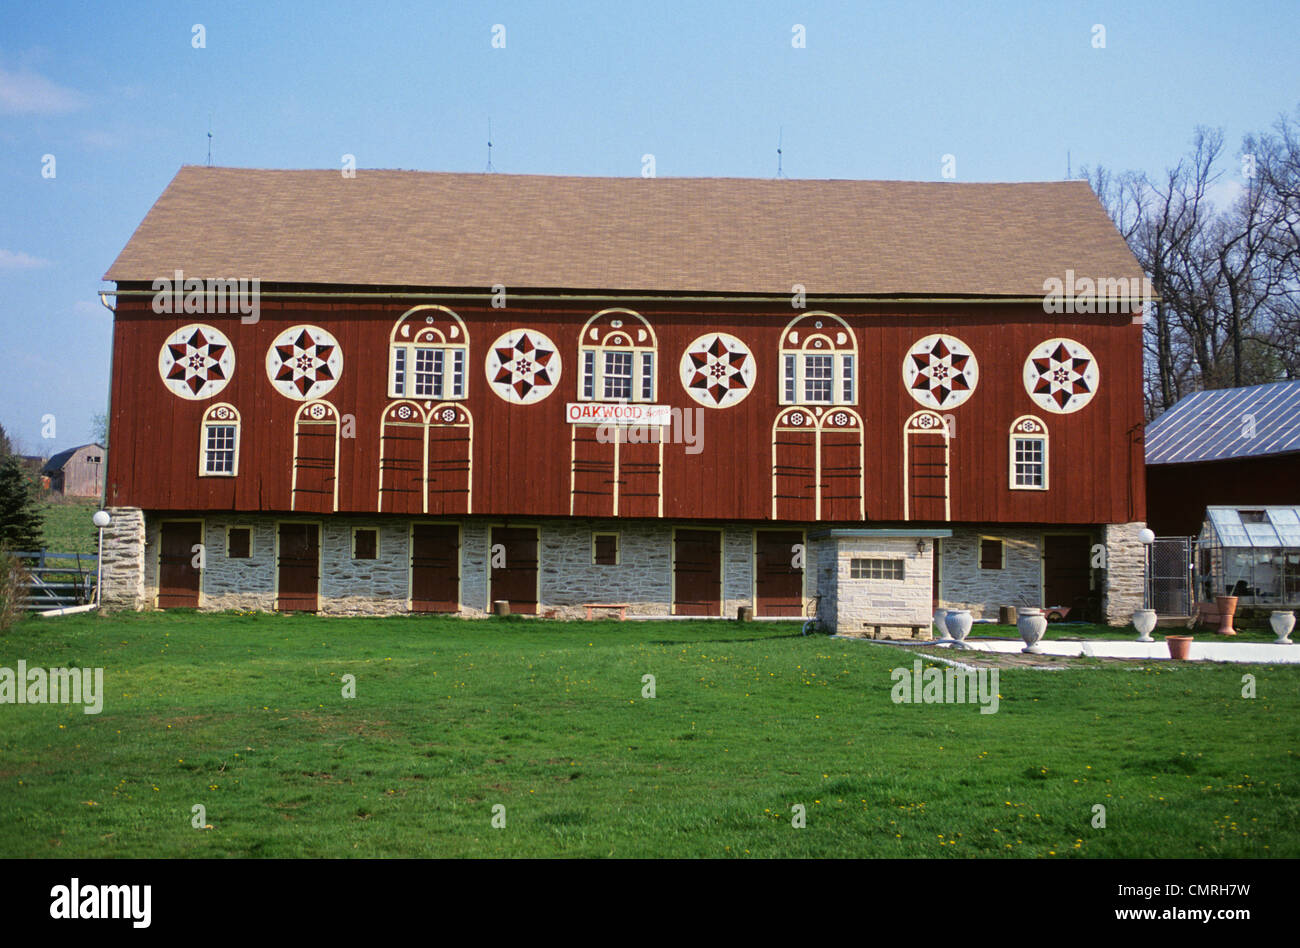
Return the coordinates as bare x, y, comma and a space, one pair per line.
120, 97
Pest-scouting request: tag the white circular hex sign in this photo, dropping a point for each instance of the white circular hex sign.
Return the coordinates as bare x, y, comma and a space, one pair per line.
196, 361
717, 370
523, 366
304, 362
940, 371
1061, 375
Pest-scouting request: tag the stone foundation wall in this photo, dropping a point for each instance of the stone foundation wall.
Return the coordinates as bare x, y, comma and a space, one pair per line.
123, 570
1125, 574
964, 585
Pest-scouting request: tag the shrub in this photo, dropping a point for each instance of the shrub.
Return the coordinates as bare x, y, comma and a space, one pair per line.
13, 588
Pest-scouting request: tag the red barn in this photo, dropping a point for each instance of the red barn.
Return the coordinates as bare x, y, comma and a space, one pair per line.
431, 392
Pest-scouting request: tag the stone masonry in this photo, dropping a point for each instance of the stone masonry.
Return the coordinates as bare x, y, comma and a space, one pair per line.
963, 584
1125, 572
123, 570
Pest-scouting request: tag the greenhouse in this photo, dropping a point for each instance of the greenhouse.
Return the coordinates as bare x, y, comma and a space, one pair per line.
1252, 553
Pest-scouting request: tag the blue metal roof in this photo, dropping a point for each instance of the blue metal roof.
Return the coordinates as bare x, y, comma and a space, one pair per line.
1227, 423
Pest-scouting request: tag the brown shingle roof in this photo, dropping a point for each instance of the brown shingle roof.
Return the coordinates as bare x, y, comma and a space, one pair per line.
670, 235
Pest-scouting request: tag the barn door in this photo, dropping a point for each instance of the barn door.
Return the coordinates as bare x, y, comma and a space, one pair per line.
435, 567
925, 471
451, 442
591, 491
697, 573
514, 568
778, 583
794, 465
316, 458
298, 568
1067, 570
402, 447
178, 578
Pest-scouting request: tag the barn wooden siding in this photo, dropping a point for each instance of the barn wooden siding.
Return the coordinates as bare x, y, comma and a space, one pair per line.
521, 453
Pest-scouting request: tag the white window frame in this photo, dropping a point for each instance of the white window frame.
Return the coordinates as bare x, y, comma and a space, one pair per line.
794, 360
443, 381
210, 422
1027, 428
591, 365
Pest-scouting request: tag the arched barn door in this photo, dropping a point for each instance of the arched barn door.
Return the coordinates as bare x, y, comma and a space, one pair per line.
817, 465
402, 448
450, 434
316, 458
841, 456
925, 467
794, 465
616, 471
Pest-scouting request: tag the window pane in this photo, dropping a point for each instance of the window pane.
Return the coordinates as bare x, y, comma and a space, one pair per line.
647, 376
618, 375
457, 373
846, 364
1029, 462
588, 373
424, 373
876, 569
399, 371
789, 378
817, 373
220, 450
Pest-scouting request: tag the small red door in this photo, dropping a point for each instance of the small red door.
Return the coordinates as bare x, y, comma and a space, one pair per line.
514, 568
299, 568
178, 577
435, 567
697, 573
778, 581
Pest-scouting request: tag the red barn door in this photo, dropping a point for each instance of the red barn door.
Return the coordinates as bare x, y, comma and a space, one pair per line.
697, 573
316, 458
435, 567
401, 459
794, 465
925, 472
298, 568
778, 582
593, 473
451, 441
514, 568
178, 578
842, 486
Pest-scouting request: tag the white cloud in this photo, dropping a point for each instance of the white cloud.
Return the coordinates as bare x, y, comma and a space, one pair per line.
17, 260
26, 93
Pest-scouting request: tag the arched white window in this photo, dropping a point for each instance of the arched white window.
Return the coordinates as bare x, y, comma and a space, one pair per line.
617, 358
428, 355
1028, 454
219, 441
819, 361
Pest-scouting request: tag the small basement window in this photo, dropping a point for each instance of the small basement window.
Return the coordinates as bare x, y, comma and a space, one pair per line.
239, 543
993, 553
875, 569
365, 544
604, 549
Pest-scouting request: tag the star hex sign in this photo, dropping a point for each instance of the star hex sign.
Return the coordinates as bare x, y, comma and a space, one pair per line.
717, 370
1061, 375
196, 361
304, 362
940, 371
523, 366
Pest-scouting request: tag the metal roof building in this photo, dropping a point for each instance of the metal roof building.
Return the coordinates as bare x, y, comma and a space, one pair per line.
1227, 423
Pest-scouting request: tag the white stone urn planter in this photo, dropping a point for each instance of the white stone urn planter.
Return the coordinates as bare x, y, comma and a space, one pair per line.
959, 622
1282, 622
940, 623
1144, 620
1032, 624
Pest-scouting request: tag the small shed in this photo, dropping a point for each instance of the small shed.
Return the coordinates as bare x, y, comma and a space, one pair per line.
1252, 553
77, 472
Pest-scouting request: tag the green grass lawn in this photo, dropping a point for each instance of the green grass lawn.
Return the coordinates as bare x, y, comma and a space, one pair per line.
67, 524
244, 715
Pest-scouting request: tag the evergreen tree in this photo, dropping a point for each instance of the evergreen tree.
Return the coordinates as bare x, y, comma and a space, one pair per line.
20, 518
6, 448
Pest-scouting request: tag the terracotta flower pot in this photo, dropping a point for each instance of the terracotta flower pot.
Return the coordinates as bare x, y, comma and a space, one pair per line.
1227, 609
1179, 646
1282, 622
1031, 623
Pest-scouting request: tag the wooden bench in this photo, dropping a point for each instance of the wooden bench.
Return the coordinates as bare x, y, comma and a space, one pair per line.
875, 628
620, 606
